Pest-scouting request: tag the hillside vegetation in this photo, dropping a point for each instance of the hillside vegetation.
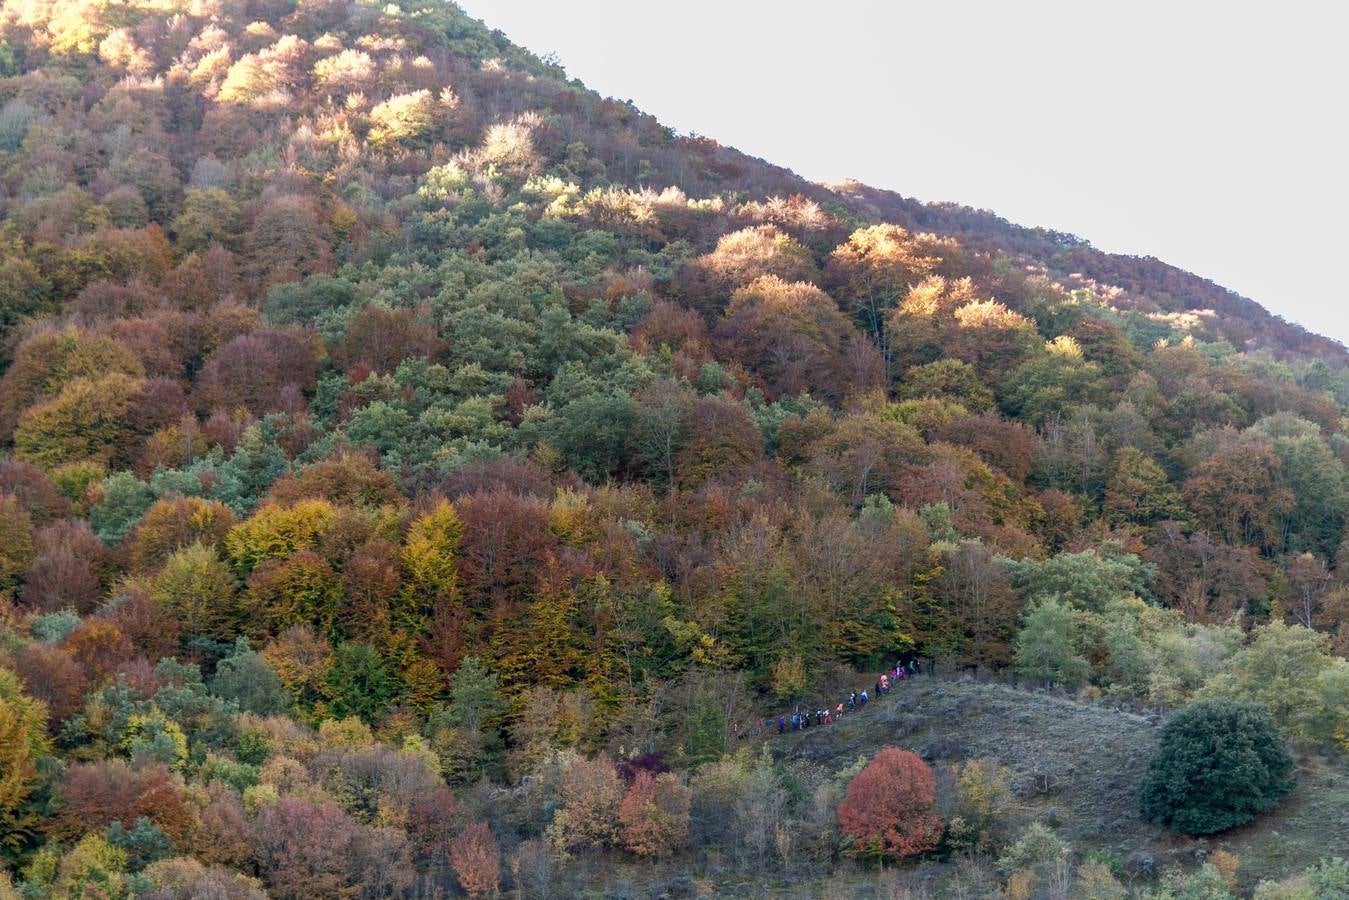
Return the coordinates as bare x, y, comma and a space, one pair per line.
419, 474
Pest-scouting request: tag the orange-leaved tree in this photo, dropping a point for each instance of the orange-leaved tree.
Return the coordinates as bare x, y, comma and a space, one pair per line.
654, 814
888, 807
476, 860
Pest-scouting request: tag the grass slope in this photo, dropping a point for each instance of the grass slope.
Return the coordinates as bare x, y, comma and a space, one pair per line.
1076, 766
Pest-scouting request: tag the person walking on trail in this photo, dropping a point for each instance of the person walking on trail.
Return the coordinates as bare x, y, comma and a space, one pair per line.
839, 712
796, 722
782, 725
852, 700
863, 698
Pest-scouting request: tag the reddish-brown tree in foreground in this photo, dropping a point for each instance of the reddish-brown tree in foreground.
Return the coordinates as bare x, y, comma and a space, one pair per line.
888, 807
476, 860
654, 814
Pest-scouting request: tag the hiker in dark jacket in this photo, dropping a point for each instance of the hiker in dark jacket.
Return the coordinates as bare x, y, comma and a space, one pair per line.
782, 725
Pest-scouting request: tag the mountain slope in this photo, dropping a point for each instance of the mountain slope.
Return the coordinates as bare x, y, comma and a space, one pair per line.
416, 471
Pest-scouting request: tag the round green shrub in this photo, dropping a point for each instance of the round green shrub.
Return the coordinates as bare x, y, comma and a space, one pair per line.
1219, 765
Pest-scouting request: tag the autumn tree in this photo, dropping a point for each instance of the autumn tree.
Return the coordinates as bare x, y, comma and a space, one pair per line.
721, 439
200, 591
589, 796
23, 742
793, 335
87, 420
888, 808
654, 814
70, 571
210, 216
1235, 491
1139, 492
16, 542
406, 119
49, 360
288, 240
173, 523
262, 371
874, 269
303, 848
978, 602
476, 860
741, 257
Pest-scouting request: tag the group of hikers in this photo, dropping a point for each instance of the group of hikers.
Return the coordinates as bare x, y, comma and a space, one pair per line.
799, 721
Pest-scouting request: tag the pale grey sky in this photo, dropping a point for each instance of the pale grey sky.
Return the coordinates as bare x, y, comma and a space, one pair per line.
1211, 135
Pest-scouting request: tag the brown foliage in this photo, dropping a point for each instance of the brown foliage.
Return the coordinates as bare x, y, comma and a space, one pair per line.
288, 240
225, 830
150, 627
792, 335
1235, 492
50, 675
33, 490
722, 439
348, 479
1008, 445
588, 796
302, 848
260, 371
90, 795
654, 814
505, 540
382, 338
99, 647
1209, 580
476, 860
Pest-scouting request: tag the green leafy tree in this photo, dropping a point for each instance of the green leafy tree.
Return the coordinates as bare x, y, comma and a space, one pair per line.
245, 678
1219, 765
1291, 671
1088, 580
475, 698
124, 500
359, 683
1044, 647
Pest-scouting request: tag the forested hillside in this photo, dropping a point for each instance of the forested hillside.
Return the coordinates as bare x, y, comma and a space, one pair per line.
421, 476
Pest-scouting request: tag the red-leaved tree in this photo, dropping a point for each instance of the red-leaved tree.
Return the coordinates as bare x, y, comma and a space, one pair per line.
888, 808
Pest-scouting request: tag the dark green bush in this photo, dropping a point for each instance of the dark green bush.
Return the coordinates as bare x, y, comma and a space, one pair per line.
1219, 765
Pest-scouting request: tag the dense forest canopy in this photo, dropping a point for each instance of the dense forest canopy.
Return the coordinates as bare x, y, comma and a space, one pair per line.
391, 424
